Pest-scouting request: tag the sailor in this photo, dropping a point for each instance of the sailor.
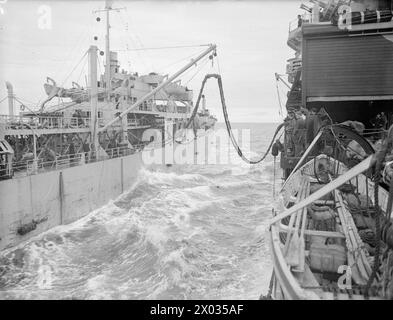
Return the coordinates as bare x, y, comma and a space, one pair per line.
289, 128
311, 125
80, 120
384, 120
299, 21
299, 133
71, 149
380, 121
86, 151
324, 118
71, 152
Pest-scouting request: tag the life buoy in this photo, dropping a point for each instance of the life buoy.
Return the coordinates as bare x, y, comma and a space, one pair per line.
323, 167
22, 107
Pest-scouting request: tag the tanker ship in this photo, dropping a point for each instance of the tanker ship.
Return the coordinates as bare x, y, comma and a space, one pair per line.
61, 161
331, 235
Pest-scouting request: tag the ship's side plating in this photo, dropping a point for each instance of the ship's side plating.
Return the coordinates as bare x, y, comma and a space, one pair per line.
33, 204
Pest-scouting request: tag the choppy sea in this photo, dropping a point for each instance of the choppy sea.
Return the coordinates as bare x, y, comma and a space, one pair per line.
181, 232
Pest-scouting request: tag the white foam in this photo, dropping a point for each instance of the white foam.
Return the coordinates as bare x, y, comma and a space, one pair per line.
185, 238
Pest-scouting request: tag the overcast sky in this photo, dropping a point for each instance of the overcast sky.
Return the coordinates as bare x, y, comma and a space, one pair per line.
251, 39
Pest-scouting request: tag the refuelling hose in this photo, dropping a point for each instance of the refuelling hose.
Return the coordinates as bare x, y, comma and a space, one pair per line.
227, 122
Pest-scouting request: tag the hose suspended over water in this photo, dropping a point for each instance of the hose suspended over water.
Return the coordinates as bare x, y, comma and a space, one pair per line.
227, 123
208, 76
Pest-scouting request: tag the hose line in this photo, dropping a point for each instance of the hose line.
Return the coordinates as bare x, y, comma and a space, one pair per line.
227, 122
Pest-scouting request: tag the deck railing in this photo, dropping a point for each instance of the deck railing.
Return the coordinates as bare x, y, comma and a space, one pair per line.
44, 122
56, 122
31, 166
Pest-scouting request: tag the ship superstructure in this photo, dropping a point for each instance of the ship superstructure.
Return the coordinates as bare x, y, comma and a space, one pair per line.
332, 237
341, 69
109, 115
204, 119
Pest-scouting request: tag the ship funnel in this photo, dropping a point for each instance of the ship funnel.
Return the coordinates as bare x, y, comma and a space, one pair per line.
10, 90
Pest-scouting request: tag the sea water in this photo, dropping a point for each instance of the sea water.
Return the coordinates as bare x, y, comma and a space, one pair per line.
181, 232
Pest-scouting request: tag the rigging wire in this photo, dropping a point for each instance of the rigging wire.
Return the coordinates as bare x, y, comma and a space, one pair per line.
3, 99
73, 49
69, 75
280, 112
25, 106
178, 61
25, 100
83, 69
198, 65
76, 66
124, 21
170, 47
201, 66
38, 103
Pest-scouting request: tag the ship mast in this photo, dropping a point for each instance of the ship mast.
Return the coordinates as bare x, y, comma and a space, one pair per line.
93, 96
108, 8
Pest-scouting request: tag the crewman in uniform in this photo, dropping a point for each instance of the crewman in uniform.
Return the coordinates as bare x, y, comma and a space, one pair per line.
290, 122
299, 21
311, 118
299, 133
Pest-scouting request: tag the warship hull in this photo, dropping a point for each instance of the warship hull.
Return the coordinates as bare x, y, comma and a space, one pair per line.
33, 204
62, 196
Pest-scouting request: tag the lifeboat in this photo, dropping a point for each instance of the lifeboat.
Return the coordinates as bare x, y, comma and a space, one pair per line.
323, 241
